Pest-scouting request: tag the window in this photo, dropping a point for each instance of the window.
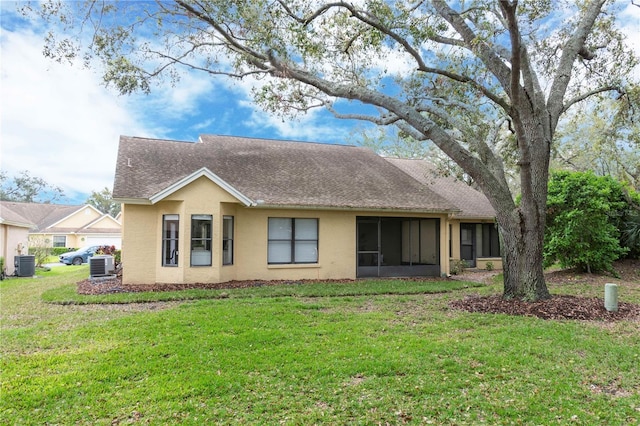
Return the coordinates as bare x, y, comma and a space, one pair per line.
170, 225
227, 240
201, 239
59, 241
292, 240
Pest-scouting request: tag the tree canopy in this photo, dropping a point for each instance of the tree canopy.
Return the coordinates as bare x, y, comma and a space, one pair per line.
103, 201
603, 137
28, 189
479, 79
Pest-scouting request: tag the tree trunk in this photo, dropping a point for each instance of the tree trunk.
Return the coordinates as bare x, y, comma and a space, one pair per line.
522, 243
523, 227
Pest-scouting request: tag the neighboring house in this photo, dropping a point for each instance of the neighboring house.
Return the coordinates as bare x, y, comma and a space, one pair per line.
54, 225
14, 236
230, 208
473, 231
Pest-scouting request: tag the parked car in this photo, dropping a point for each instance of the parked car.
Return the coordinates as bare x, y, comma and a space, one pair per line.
79, 256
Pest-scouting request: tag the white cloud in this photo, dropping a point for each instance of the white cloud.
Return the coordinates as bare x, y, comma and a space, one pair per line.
57, 121
629, 20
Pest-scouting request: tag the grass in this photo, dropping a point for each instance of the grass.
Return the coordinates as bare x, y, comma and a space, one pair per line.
66, 294
303, 355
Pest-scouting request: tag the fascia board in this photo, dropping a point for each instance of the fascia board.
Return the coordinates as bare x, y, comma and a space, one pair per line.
81, 208
101, 219
17, 224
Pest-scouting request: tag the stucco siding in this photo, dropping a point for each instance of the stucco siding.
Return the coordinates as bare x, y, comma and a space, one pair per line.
140, 243
80, 218
11, 239
142, 240
336, 246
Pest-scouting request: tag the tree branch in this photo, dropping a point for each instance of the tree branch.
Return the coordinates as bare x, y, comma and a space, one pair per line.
584, 96
569, 53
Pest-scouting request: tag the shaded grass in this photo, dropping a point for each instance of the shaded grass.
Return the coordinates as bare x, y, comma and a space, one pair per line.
364, 359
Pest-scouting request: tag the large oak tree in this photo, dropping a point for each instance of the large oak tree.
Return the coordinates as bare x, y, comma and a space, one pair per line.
476, 78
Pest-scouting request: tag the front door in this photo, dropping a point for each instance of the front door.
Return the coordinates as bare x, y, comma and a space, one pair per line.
368, 247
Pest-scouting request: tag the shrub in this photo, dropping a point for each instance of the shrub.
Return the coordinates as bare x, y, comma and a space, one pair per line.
57, 251
489, 266
457, 266
584, 214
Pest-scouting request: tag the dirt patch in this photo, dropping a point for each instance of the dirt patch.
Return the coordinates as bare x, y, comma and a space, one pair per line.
560, 307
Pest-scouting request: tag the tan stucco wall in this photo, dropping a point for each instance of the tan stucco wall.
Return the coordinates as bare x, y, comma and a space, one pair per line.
495, 262
80, 218
46, 240
142, 245
106, 223
12, 238
455, 239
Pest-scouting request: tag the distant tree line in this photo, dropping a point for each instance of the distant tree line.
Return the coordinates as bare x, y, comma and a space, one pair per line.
25, 188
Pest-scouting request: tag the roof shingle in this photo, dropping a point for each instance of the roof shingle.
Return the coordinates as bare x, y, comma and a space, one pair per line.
280, 173
471, 202
42, 216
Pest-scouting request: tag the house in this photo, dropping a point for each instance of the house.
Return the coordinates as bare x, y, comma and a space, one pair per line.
14, 236
231, 208
69, 226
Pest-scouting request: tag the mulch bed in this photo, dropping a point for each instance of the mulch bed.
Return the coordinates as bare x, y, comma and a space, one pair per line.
559, 307
114, 285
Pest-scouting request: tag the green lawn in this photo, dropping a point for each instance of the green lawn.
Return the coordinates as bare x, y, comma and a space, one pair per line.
384, 352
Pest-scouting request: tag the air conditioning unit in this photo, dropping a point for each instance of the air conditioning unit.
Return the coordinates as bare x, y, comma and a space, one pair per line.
101, 266
25, 265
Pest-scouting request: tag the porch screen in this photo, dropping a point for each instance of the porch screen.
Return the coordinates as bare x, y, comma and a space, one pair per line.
292, 240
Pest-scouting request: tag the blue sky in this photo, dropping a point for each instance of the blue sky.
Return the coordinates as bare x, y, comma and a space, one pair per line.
59, 123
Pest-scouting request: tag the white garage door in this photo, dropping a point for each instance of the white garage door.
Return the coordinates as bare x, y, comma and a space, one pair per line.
104, 241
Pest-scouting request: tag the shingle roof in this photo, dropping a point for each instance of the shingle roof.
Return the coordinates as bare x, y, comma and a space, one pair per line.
280, 173
12, 217
40, 215
471, 202
41, 218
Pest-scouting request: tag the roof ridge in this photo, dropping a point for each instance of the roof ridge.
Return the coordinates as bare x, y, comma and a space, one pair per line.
265, 139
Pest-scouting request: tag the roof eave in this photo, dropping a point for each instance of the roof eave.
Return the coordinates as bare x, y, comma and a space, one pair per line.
353, 208
17, 224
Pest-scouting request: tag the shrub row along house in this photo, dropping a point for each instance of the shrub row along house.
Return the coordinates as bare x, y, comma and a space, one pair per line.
24, 225
231, 208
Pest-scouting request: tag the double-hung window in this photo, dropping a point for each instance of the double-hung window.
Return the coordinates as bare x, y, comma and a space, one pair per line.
201, 225
59, 241
170, 226
292, 240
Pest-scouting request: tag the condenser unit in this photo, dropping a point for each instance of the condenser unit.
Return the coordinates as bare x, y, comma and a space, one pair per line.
25, 265
101, 266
